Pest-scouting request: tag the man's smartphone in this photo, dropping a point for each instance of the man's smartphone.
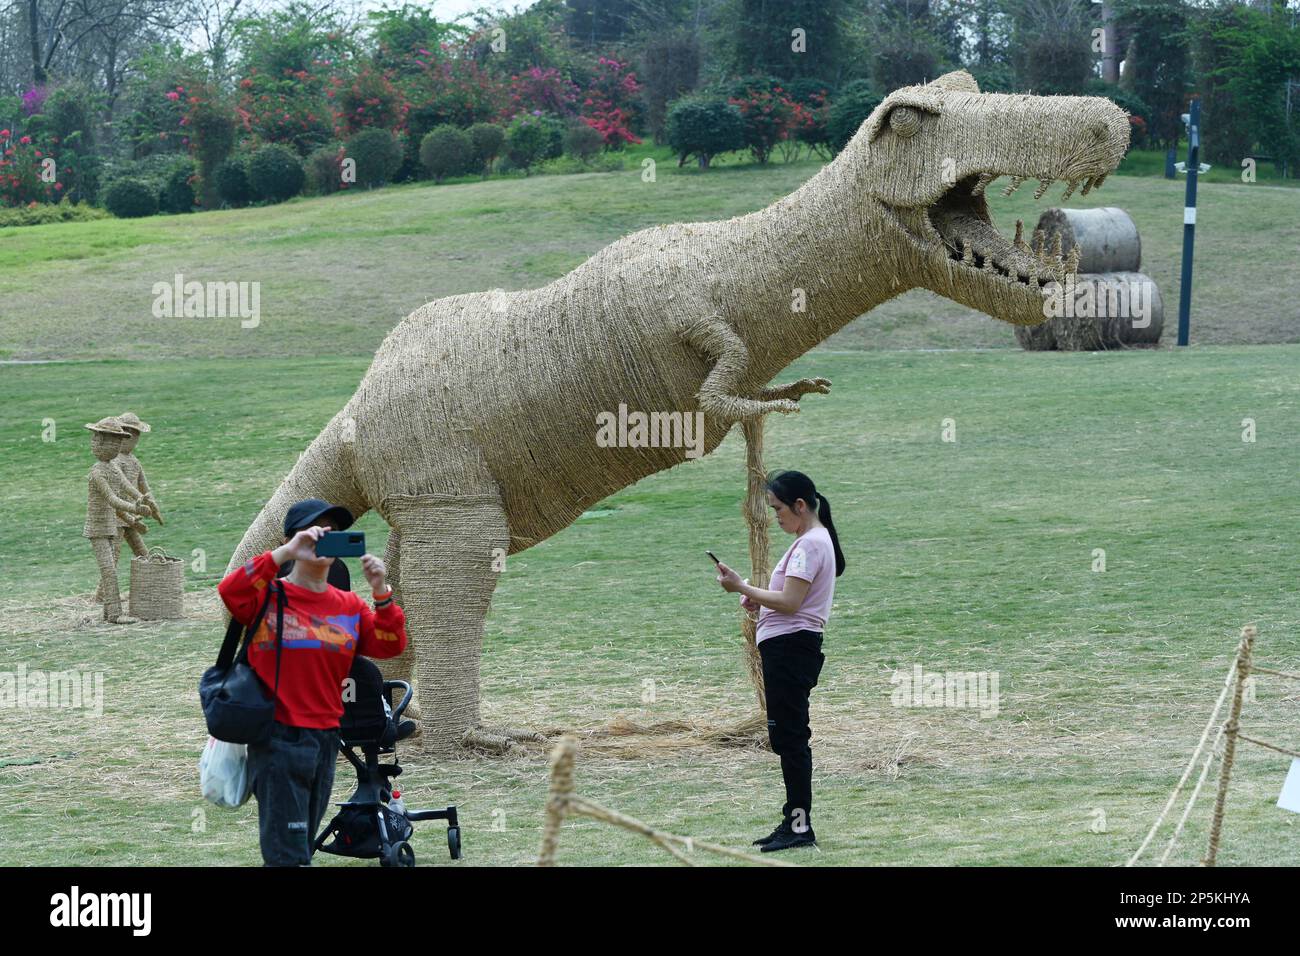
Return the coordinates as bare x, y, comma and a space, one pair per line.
341, 544
713, 556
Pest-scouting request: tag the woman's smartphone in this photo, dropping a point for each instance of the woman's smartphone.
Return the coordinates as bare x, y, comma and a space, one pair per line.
713, 556
341, 544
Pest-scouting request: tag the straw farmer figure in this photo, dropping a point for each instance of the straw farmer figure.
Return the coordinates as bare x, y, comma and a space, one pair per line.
475, 434
132, 475
108, 499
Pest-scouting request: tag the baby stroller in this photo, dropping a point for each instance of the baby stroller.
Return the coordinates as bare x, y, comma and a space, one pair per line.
375, 823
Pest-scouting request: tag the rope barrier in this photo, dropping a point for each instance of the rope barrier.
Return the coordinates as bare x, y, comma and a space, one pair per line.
1205, 734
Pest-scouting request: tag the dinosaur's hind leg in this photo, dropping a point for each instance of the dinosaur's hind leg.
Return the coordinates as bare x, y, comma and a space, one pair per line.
448, 551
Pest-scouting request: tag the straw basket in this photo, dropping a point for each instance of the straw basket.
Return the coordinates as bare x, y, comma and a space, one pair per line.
157, 586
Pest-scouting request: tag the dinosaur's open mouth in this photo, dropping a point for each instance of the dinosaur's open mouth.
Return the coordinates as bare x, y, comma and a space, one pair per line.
961, 223
958, 223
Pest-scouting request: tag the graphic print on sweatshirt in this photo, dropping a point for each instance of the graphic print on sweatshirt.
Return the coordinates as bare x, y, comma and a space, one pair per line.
336, 632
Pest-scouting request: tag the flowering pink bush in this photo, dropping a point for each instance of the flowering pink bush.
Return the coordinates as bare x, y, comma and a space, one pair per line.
770, 118
369, 99
542, 91
445, 88
34, 100
20, 174
609, 105
290, 110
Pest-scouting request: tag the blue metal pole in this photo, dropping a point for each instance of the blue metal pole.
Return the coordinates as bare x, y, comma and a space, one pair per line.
1189, 221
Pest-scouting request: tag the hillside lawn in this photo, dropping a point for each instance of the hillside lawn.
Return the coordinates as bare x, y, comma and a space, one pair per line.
343, 269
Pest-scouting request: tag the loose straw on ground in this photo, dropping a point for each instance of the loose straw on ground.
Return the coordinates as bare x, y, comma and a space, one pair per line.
562, 802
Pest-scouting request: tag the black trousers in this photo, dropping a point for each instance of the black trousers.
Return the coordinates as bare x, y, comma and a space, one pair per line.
791, 666
292, 775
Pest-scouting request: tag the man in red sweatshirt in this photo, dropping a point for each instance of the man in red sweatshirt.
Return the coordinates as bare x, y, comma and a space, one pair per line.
324, 628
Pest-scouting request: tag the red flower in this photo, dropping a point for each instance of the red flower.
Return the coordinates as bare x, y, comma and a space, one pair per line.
25, 140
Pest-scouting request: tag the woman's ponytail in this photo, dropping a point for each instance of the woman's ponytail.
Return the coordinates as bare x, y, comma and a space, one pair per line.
824, 516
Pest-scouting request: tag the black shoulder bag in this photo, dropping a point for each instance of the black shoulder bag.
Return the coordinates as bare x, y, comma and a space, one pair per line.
235, 702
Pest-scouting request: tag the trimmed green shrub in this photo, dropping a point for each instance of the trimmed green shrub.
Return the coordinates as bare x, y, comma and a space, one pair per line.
377, 156
231, 179
447, 150
131, 199
324, 174
177, 194
582, 141
529, 140
275, 172
488, 140
703, 127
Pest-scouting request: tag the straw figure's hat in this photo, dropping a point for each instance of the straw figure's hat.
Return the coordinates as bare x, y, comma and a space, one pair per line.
107, 426
132, 421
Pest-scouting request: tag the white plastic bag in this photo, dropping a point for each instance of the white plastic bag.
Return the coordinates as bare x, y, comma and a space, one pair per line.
223, 774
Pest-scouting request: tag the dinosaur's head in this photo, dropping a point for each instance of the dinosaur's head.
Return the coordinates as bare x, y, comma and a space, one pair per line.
927, 154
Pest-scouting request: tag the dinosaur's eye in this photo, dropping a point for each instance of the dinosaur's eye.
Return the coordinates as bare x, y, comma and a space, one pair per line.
905, 121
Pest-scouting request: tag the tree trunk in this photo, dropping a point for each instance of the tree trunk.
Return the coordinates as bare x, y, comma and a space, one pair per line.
39, 75
1110, 44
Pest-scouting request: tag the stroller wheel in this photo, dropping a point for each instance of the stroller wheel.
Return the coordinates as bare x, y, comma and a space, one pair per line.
453, 842
399, 854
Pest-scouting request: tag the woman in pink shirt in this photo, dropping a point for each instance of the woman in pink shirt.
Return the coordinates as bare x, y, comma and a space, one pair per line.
792, 610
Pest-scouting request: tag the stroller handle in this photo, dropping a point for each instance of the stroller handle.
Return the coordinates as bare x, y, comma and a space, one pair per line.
406, 696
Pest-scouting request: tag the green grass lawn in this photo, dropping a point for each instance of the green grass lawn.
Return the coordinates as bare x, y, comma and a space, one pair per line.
336, 273
971, 556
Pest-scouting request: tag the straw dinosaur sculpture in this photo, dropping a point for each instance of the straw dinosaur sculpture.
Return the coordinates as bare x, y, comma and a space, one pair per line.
474, 432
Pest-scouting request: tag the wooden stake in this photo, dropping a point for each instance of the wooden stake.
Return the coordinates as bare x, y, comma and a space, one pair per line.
758, 519
1244, 649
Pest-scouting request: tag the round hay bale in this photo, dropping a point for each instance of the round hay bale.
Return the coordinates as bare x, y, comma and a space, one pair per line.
1106, 237
1110, 310
1134, 312
1037, 338
1077, 333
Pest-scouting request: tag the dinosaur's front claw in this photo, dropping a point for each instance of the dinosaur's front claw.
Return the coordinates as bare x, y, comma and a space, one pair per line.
786, 406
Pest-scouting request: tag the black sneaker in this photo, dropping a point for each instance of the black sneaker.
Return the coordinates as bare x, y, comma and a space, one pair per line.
781, 828
787, 839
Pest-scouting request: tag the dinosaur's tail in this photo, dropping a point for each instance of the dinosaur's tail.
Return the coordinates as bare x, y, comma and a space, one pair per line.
323, 471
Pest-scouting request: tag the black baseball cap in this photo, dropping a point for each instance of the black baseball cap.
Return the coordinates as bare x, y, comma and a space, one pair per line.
308, 512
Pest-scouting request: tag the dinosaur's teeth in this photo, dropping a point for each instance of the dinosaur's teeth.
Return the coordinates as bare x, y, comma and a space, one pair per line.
967, 252
1013, 185
1043, 185
1068, 191
1019, 241
1072, 264
982, 184
1056, 246
1099, 180
1087, 187
1039, 240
